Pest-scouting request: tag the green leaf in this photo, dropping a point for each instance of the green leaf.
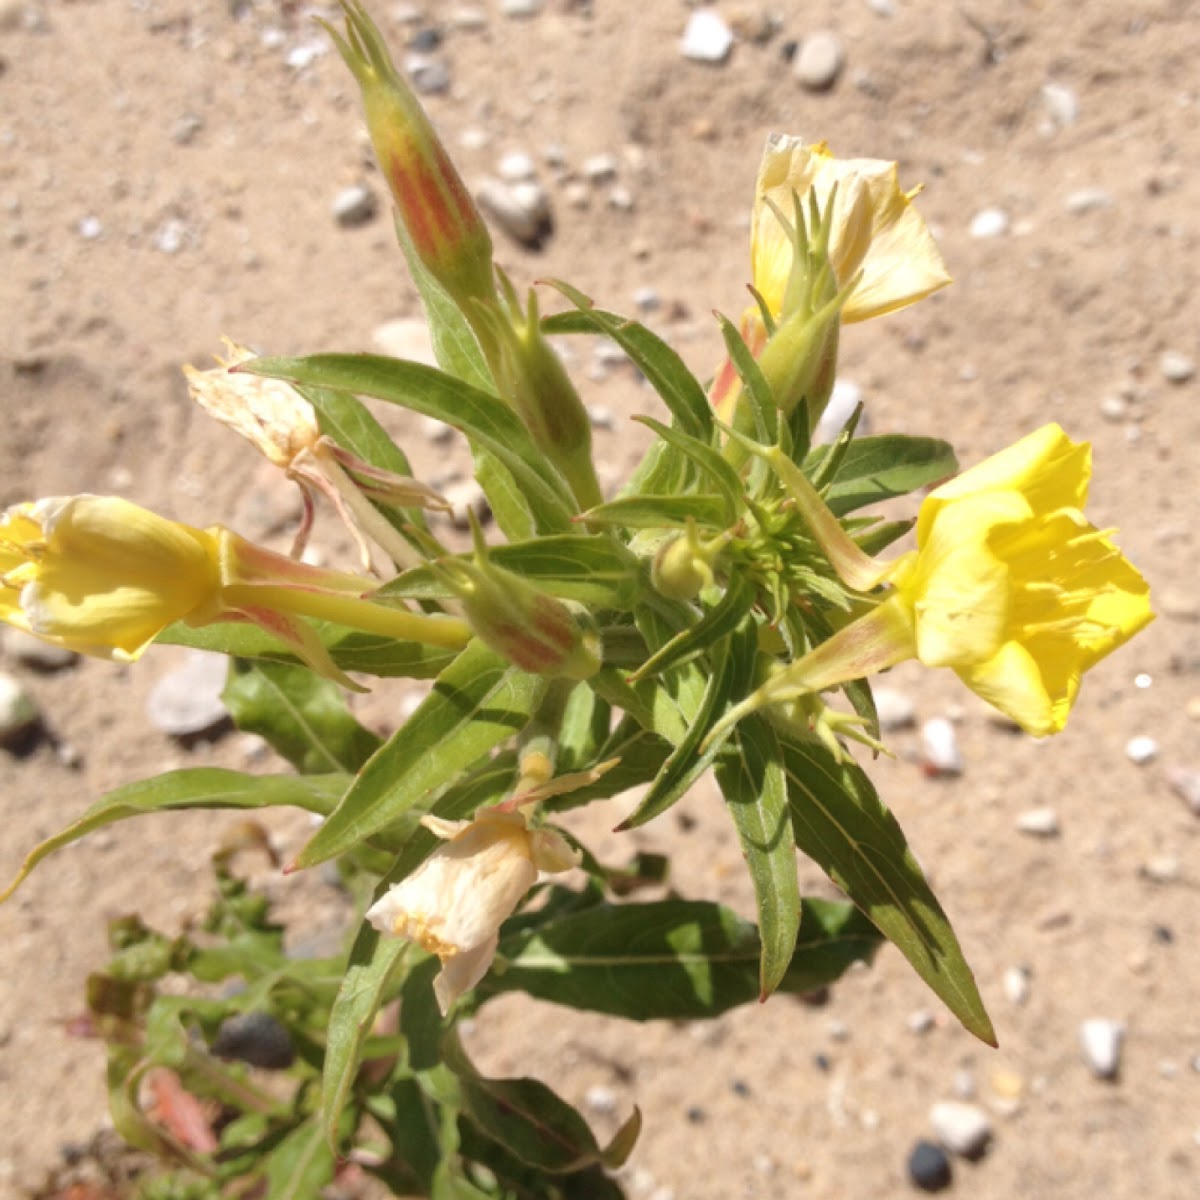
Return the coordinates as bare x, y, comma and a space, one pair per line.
352, 650
874, 469
596, 571
673, 959
662, 366
508, 502
301, 1165
655, 512
201, 787
843, 826
759, 396
477, 702
532, 1122
716, 624
481, 416
302, 716
753, 782
413, 1130
707, 461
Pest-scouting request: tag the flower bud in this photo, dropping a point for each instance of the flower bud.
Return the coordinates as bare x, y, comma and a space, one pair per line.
444, 228
682, 567
532, 630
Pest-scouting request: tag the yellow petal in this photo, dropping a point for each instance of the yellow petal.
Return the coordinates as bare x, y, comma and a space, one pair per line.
1012, 681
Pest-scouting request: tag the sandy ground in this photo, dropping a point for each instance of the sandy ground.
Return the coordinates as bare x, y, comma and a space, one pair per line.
166, 176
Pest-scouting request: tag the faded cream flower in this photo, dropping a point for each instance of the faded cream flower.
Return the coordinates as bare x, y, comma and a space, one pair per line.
454, 903
875, 228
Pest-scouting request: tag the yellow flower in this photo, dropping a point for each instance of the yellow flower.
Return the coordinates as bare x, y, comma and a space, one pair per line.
104, 577
454, 903
875, 228
1009, 586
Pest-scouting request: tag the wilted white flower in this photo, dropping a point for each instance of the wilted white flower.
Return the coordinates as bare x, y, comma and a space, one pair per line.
454, 904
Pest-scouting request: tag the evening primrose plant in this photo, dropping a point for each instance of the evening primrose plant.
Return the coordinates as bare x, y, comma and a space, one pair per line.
726, 610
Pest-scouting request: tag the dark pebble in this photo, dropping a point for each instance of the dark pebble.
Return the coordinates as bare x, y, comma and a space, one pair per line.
425, 40
697, 1115
256, 1038
740, 1087
1164, 934
928, 1167
821, 1061
788, 50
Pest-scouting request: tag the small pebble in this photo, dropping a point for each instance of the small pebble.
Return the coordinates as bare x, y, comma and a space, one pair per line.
187, 701
895, 709
520, 209
838, 1031
1162, 868
601, 1100
921, 1021
171, 236
600, 168
620, 198
819, 61
35, 653
256, 1038
435, 431
1178, 604
1087, 200
463, 496
90, 228
963, 1129
1176, 367
306, 53
1061, 104
647, 300
843, 400
19, 715
520, 8
429, 76
1114, 408
928, 1167
1016, 985
353, 206
1141, 749
989, 223
601, 417
706, 38
186, 129
425, 40
467, 16
1185, 783
516, 166
939, 747
1039, 822
1101, 1041
964, 1084
407, 338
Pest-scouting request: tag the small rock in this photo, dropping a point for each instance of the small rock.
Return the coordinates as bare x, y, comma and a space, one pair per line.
90, 228
843, 400
964, 1129
306, 53
1061, 104
425, 40
647, 300
466, 495
921, 1021
256, 1038
406, 338
1087, 200
1008, 1086
522, 210
1141, 749
435, 431
19, 715
601, 1100
171, 236
467, 16
577, 194
429, 76
620, 198
706, 38
895, 709
353, 206
1179, 605
187, 701
1114, 407
1176, 367
989, 223
1016, 985
819, 61
1185, 783
1162, 868
928, 1167
516, 166
964, 1084
186, 129
601, 417
600, 168
520, 8
939, 746
1101, 1041
1039, 822
35, 653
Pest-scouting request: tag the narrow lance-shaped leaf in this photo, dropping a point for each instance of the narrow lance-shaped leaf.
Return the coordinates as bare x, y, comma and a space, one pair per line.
752, 779
478, 702
673, 959
874, 469
202, 787
662, 366
302, 716
301, 1165
706, 460
653, 512
843, 826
